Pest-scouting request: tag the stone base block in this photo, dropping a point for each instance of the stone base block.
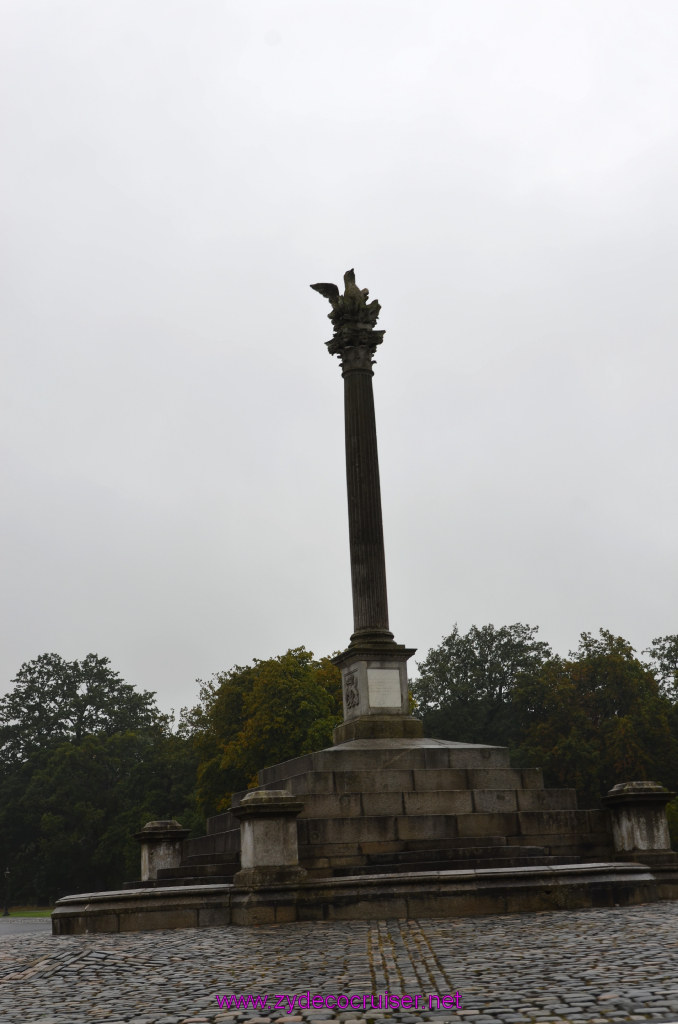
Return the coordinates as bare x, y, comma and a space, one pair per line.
399, 754
660, 858
379, 727
255, 877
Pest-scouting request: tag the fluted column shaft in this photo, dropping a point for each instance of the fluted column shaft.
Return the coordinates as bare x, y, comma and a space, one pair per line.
373, 666
366, 535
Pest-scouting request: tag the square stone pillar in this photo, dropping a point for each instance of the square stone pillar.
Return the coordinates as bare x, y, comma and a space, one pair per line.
269, 848
640, 828
161, 843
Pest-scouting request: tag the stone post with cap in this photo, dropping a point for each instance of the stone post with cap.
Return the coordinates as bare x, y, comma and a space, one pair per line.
640, 828
161, 843
269, 850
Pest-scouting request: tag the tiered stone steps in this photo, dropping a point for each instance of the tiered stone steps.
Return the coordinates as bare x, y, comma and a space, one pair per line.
393, 806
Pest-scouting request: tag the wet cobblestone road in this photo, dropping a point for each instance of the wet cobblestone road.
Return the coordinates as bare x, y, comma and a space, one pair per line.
585, 967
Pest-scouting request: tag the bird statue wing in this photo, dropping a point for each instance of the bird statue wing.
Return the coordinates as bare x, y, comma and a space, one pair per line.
328, 291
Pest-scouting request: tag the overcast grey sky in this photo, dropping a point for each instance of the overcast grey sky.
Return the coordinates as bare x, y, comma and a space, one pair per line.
175, 173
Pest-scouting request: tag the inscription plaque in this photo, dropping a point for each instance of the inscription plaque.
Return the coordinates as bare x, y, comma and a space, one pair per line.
383, 687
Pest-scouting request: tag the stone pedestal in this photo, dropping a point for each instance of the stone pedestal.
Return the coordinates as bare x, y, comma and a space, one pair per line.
161, 843
375, 692
269, 849
640, 828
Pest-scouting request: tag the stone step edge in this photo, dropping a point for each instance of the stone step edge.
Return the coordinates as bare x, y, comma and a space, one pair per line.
454, 851
395, 756
441, 794
533, 773
555, 872
428, 867
214, 821
443, 867
410, 847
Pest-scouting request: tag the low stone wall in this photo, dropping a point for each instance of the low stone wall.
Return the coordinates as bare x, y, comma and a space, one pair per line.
402, 895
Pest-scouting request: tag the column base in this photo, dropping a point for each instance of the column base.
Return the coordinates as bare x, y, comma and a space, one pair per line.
373, 637
251, 878
378, 727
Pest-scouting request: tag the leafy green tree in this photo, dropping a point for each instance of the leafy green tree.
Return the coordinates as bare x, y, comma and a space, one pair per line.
55, 700
664, 654
86, 761
258, 715
596, 719
465, 686
74, 813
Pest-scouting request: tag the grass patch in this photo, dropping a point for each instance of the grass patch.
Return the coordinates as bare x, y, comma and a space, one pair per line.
29, 911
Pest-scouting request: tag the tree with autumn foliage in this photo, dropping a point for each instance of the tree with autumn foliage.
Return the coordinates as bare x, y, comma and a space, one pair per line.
258, 715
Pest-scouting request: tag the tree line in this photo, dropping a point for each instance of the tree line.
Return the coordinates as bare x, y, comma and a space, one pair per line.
86, 758
600, 716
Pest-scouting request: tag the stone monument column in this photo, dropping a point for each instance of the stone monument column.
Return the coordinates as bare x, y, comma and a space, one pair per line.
374, 666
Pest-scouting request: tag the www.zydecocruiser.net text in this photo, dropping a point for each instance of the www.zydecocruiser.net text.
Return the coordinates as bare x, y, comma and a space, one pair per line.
289, 1003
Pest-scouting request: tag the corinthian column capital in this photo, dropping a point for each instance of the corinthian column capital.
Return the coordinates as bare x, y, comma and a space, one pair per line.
353, 319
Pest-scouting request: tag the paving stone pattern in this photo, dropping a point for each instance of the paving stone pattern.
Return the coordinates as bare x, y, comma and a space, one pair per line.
585, 967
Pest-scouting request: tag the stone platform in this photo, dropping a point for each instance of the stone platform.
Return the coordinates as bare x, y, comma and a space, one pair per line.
390, 805
404, 895
393, 828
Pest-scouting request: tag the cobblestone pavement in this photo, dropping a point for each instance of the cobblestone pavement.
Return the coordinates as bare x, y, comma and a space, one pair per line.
585, 967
